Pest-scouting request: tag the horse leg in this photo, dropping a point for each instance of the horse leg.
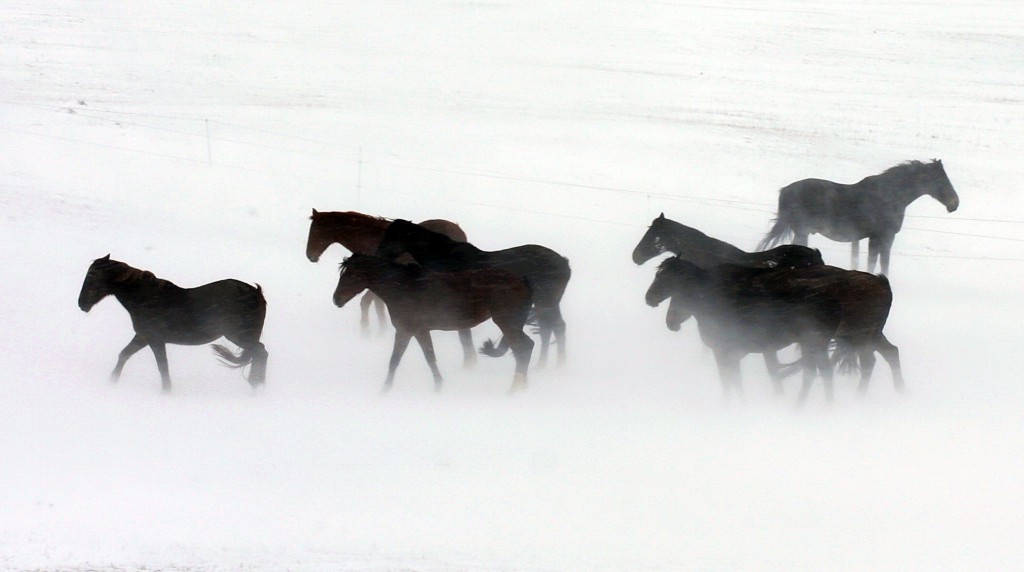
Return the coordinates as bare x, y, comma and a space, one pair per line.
879, 247
825, 370
258, 374
854, 254
885, 249
129, 350
891, 354
160, 352
402, 338
550, 321
427, 345
815, 361
545, 330
522, 349
364, 312
468, 351
771, 363
729, 373
800, 237
867, 365
382, 316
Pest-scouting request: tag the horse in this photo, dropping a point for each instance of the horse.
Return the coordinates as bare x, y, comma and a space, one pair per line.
736, 316
361, 234
420, 300
667, 235
872, 208
546, 271
164, 313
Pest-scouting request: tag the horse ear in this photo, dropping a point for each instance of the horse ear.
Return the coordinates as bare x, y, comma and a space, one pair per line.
661, 216
315, 213
106, 258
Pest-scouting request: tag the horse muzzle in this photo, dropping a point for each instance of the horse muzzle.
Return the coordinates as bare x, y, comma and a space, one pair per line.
953, 205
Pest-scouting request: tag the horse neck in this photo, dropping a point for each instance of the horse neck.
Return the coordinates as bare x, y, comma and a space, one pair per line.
360, 234
903, 189
386, 279
699, 248
143, 290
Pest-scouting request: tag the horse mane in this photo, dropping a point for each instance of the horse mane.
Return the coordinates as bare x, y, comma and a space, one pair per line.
908, 168
132, 275
347, 216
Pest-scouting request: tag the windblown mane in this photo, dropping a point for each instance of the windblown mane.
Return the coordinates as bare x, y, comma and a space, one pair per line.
906, 168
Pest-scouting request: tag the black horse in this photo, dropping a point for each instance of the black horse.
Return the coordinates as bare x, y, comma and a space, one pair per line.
163, 313
420, 300
872, 209
546, 271
738, 314
667, 235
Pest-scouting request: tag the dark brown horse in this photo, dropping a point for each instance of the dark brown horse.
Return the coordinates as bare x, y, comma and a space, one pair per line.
420, 300
872, 208
738, 314
361, 234
163, 313
546, 271
864, 298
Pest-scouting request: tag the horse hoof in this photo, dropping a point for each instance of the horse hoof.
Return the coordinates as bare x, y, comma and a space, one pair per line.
518, 384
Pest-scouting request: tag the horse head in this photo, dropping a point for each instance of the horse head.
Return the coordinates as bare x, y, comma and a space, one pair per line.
352, 278
651, 244
675, 277
96, 285
940, 187
317, 242
677, 313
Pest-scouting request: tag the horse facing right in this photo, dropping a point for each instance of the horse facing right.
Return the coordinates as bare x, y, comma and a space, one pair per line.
420, 300
873, 208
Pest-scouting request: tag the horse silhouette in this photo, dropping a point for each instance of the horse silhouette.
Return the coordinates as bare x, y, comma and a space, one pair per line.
164, 313
872, 208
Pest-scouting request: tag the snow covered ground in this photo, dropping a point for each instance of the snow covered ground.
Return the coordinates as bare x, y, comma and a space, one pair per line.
193, 140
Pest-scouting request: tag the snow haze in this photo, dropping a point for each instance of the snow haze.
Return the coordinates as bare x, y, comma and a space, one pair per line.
193, 140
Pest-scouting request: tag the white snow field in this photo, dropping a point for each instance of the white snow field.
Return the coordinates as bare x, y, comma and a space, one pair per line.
192, 139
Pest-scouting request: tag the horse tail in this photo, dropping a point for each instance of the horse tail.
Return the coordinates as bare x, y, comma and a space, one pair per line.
780, 232
845, 358
782, 225
489, 348
230, 359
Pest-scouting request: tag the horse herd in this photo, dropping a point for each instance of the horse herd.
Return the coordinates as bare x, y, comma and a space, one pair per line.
431, 278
